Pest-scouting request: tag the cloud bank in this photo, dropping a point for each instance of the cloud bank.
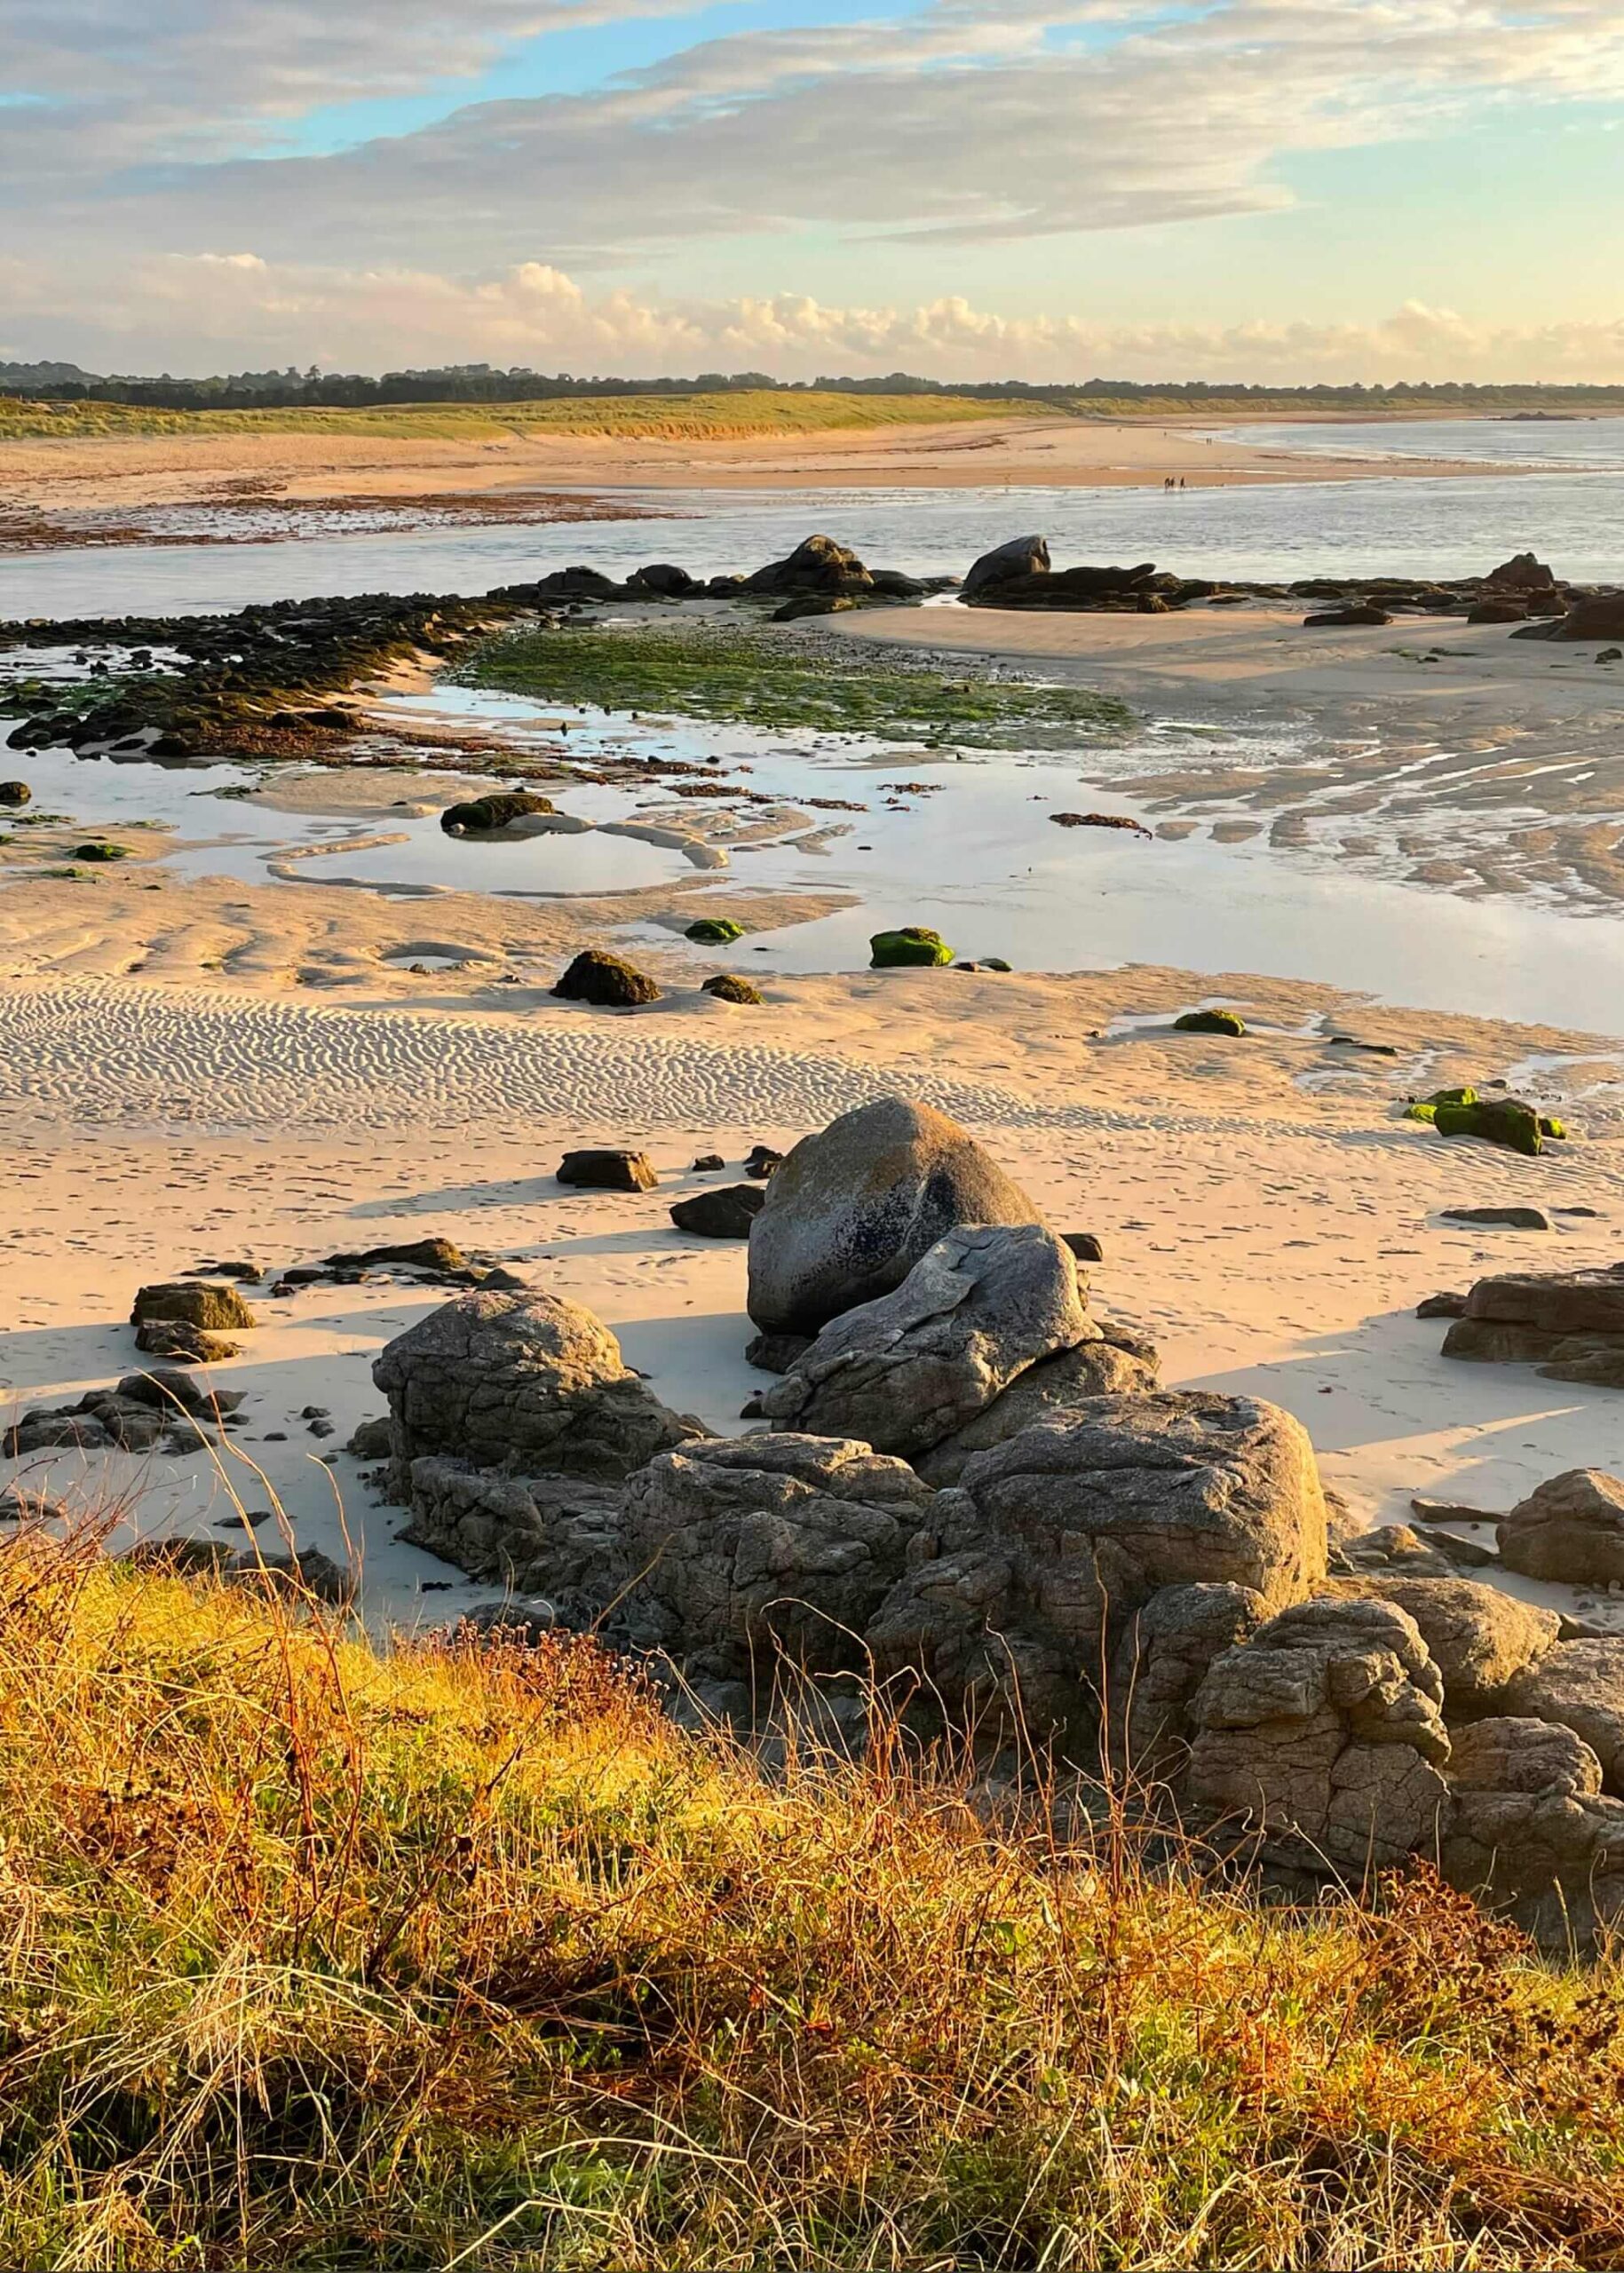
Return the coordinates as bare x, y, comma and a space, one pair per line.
239, 308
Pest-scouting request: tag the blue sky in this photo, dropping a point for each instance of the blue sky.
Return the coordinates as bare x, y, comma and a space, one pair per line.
1308, 188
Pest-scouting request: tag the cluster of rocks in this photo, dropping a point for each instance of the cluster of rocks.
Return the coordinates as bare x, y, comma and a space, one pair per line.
970, 1496
817, 577
1019, 575
259, 682
162, 1411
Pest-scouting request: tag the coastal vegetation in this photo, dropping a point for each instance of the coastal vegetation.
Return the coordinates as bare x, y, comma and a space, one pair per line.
324, 1953
738, 675
648, 418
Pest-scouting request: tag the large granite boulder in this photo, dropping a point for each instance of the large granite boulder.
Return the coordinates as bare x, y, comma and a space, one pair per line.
906, 1371
556, 1536
1018, 556
1097, 1365
1570, 1527
524, 1383
1050, 1542
749, 1547
1324, 1736
1479, 1638
1578, 1685
1531, 1829
1541, 1317
853, 1208
817, 565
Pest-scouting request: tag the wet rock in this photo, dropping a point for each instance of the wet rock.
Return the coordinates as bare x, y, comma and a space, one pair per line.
1510, 1219
915, 945
853, 1208
727, 1212
760, 1544
98, 850
1569, 1528
1324, 1735
490, 816
905, 1371
727, 987
1050, 1390
1050, 1542
197, 1302
609, 982
1578, 1685
1017, 557
666, 580
524, 1381
1084, 590
1479, 1638
714, 931
14, 793
608, 1168
1224, 1022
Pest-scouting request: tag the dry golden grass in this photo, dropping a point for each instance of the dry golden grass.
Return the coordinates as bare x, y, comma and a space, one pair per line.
314, 1954
663, 418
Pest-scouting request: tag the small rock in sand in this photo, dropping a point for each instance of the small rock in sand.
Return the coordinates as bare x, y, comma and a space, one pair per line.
608, 1168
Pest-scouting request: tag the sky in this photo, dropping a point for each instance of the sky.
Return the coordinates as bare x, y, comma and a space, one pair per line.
1263, 190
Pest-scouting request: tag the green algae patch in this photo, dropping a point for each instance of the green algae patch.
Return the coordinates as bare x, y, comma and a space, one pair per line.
715, 931
735, 675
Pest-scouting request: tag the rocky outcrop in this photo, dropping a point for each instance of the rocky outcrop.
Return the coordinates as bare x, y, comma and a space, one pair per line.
524, 1382
1095, 1366
1018, 557
1570, 1527
1531, 1829
1479, 1638
1085, 589
1578, 1685
853, 1208
1165, 1653
1050, 1542
611, 1168
754, 1546
1524, 571
494, 815
558, 1536
1323, 1736
902, 1373
817, 566
1560, 1319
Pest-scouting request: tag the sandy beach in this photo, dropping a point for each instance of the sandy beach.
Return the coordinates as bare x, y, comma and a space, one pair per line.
243, 477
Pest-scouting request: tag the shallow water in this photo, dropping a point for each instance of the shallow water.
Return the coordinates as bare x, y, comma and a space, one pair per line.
1276, 531
1594, 443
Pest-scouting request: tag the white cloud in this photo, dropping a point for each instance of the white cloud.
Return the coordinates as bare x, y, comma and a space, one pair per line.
213, 310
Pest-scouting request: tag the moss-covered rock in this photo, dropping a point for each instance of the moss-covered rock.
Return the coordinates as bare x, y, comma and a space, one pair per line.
15, 793
913, 946
714, 931
488, 816
728, 988
1210, 1022
99, 850
607, 981
1498, 1120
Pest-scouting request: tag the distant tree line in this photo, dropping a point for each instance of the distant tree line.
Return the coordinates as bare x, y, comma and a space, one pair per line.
52, 382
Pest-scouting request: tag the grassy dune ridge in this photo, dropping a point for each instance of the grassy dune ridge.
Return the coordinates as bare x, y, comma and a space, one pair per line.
658, 418
316, 1954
